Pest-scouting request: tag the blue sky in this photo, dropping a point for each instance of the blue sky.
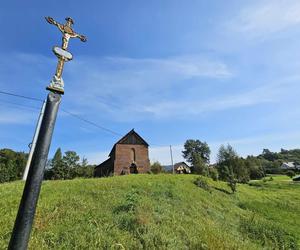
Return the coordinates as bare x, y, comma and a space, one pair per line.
218, 71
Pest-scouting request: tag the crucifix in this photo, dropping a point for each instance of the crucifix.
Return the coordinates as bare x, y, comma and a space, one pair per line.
63, 55
24, 219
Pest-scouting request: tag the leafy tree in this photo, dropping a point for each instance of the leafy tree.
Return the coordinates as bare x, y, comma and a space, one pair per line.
156, 168
255, 167
68, 166
84, 169
56, 169
225, 157
213, 173
199, 166
268, 155
197, 153
231, 168
12, 165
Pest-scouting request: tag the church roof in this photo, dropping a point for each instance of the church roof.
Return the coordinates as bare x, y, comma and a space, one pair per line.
131, 137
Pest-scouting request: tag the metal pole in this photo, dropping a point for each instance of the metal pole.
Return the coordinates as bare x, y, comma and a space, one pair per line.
36, 133
172, 159
23, 224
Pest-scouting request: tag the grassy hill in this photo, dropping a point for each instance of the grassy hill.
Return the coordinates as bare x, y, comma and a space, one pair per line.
158, 211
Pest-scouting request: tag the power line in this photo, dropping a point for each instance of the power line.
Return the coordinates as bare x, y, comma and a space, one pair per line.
65, 111
92, 123
70, 113
18, 104
21, 96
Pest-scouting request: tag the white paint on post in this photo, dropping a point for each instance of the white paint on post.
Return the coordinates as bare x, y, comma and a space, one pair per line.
32, 148
171, 154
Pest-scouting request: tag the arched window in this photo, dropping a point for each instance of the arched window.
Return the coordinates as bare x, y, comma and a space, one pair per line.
133, 156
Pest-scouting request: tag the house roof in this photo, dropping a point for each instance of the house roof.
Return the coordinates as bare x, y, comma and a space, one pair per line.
176, 165
131, 137
288, 164
103, 163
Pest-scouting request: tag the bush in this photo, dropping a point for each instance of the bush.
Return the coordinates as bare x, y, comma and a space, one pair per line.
202, 183
290, 173
156, 168
231, 182
213, 173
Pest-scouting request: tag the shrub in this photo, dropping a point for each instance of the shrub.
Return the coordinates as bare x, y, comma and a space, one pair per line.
156, 168
213, 173
202, 183
290, 173
231, 182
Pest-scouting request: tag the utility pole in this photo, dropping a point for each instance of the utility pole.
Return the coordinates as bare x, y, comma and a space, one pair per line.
32, 147
24, 220
171, 154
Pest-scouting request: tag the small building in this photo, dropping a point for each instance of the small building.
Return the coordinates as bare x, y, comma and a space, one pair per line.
179, 168
290, 166
128, 156
182, 168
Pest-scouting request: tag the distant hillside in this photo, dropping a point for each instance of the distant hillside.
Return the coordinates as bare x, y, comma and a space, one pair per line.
282, 156
273, 160
158, 212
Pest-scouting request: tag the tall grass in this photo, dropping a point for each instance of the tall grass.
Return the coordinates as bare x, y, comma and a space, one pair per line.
157, 212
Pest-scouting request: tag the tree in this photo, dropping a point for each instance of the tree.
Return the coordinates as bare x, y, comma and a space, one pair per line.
197, 153
68, 166
12, 165
70, 162
156, 168
63, 167
231, 167
225, 158
268, 155
56, 170
213, 173
84, 170
255, 167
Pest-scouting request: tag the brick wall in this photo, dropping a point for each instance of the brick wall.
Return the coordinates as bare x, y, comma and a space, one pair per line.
124, 158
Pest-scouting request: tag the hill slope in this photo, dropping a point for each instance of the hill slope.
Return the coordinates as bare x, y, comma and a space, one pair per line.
158, 211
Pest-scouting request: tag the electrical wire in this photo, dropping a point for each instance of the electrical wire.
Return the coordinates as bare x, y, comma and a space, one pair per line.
67, 112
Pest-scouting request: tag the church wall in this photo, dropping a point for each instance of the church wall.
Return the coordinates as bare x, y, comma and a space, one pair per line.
124, 158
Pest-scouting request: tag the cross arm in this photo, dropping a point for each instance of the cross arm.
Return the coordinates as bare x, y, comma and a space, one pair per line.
52, 21
81, 37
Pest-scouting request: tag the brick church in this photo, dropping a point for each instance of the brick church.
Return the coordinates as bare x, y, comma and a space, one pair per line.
128, 156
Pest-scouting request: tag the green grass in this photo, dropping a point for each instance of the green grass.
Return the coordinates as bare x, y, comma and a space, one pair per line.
158, 212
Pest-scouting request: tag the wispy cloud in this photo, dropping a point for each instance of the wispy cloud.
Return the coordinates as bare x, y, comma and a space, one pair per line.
265, 94
265, 17
120, 85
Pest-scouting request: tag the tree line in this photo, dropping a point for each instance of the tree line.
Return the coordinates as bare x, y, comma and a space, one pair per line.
61, 166
230, 166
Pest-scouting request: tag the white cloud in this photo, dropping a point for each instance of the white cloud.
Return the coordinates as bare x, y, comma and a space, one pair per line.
118, 86
265, 17
264, 94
